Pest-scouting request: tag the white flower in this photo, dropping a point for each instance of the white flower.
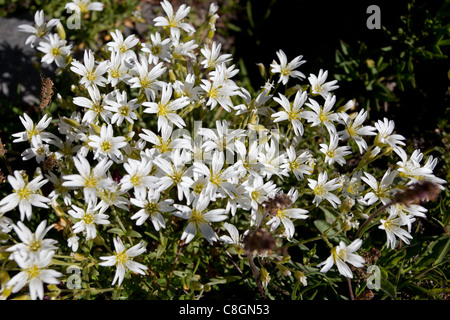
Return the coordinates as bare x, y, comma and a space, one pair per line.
222, 139
355, 130
121, 108
174, 173
32, 243
234, 238
332, 152
259, 191
165, 142
158, 49
37, 149
106, 145
184, 49
174, 21
147, 79
123, 46
297, 164
39, 30
319, 86
32, 129
213, 57
407, 213
72, 242
322, 115
152, 208
84, 6
218, 176
94, 106
188, 88
341, 255
112, 196
292, 112
25, 195
54, 49
219, 90
321, 189
138, 176
166, 108
91, 75
88, 219
122, 259
380, 190
385, 137
199, 218
89, 179
284, 216
392, 226
117, 71
272, 161
413, 170
286, 69
34, 272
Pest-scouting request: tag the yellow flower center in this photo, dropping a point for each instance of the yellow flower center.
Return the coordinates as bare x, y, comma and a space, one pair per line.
114, 73
90, 182
156, 50
351, 131
294, 165
121, 257
338, 255
88, 218
280, 213
23, 193
285, 71
319, 190
213, 92
34, 245
124, 111
255, 194
317, 88
151, 208
197, 217
32, 132
106, 146
91, 76
135, 180
56, 52
123, 48
145, 82
97, 108
177, 176
331, 153
163, 110
33, 272
216, 178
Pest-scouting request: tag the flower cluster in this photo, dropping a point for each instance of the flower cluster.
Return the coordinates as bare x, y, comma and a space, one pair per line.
162, 133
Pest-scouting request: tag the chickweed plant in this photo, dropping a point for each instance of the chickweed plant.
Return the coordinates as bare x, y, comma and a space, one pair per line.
157, 176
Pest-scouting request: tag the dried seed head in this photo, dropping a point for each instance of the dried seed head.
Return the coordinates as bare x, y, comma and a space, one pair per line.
46, 92
422, 191
259, 241
2, 177
2, 149
49, 163
280, 201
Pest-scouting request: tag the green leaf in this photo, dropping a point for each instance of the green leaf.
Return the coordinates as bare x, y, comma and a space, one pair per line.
117, 231
134, 234
443, 253
388, 288
322, 225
